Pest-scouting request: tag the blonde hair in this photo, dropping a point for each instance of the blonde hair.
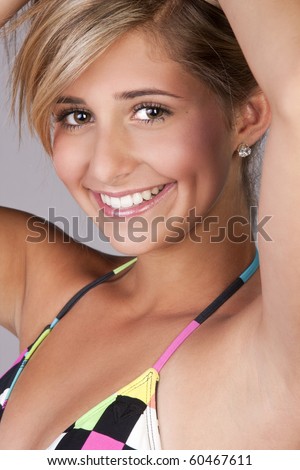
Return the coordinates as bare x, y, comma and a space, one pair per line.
66, 36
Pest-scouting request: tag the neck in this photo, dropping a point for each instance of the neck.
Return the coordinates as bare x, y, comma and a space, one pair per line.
186, 275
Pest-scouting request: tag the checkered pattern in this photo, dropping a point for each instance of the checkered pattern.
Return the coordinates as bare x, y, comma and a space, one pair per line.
7, 380
125, 420
128, 418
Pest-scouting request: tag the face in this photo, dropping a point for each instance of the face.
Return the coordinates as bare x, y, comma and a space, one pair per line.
138, 142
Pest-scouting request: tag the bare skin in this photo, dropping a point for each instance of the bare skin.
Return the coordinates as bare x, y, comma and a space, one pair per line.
129, 322
243, 361
8, 8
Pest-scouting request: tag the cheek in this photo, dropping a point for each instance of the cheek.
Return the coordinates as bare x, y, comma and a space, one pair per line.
68, 160
197, 149
197, 156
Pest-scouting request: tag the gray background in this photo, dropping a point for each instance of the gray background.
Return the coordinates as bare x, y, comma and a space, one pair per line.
28, 182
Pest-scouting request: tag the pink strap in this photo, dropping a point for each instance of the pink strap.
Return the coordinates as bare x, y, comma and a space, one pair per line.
175, 345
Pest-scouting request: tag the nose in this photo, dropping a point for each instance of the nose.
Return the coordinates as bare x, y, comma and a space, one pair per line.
110, 161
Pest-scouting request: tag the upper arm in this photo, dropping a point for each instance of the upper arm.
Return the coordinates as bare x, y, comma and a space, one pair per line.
271, 46
13, 232
9, 8
280, 257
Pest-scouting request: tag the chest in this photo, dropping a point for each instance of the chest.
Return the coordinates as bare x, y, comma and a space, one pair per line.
83, 363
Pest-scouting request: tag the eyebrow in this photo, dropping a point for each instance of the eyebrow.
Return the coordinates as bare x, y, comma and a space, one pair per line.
125, 95
70, 100
129, 95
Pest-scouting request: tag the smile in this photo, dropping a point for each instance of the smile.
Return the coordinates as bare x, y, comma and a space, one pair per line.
130, 200
134, 203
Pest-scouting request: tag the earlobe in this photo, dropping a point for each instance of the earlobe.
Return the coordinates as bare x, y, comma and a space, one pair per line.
253, 119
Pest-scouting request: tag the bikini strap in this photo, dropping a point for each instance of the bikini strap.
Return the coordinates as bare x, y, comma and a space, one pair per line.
25, 357
207, 312
67, 307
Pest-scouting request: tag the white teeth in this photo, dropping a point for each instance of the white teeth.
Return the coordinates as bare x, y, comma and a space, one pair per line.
126, 201
115, 202
105, 199
155, 191
137, 198
147, 195
131, 199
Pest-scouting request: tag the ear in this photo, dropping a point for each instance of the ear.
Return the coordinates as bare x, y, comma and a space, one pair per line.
252, 120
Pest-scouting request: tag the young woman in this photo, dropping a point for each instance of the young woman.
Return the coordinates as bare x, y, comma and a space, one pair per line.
149, 112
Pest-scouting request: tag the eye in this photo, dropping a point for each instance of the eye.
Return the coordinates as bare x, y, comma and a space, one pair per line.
78, 118
150, 113
73, 119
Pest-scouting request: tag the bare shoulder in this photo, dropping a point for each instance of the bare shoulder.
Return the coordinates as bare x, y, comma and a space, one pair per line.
57, 268
13, 229
9, 8
41, 268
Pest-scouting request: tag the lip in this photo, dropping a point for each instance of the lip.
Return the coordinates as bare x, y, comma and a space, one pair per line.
135, 210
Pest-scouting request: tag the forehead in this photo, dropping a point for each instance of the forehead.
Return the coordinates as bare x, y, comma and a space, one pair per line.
134, 62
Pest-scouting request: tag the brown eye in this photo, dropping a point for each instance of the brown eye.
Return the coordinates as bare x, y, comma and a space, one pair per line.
154, 113
151, 113
147, 113
79, 118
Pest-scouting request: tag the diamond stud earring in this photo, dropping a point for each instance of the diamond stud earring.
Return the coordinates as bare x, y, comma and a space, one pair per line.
244, 150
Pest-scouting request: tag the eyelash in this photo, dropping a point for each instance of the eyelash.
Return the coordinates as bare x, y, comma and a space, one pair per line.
62, 115
166, 112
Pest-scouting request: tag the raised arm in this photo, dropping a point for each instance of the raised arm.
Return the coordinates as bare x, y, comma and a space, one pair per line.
269, 34
8, 8
13, 232
38, 262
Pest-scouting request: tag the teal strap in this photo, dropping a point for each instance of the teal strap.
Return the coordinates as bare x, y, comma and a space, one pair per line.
251, 269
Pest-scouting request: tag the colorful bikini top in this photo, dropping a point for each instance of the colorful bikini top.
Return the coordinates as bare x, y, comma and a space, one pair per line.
127, 419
